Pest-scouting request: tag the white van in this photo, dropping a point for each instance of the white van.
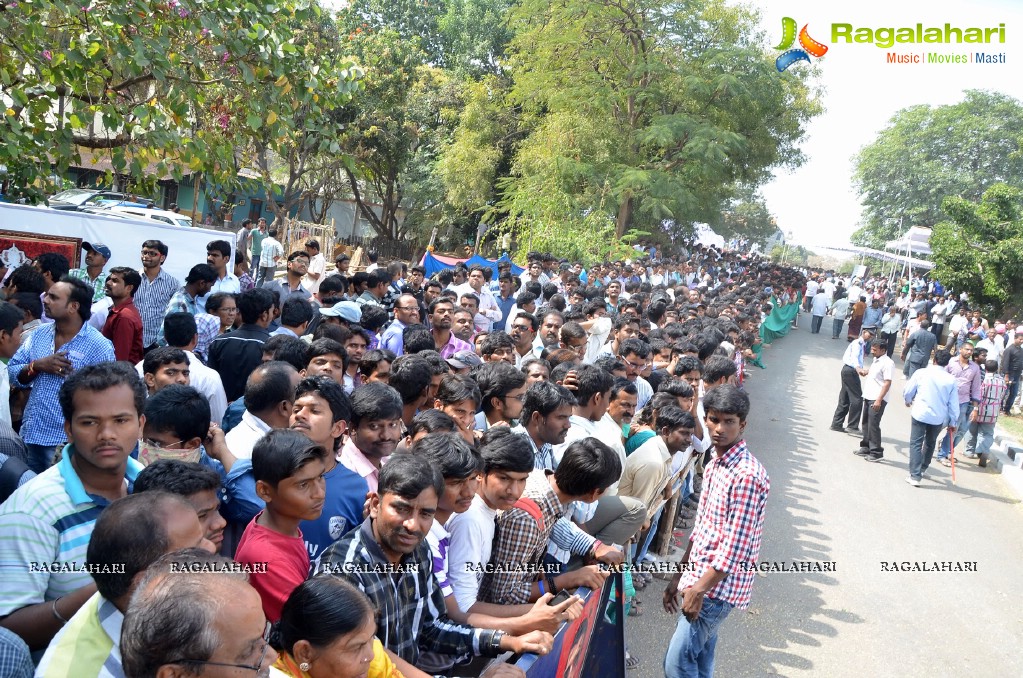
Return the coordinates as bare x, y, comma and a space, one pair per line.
163, 216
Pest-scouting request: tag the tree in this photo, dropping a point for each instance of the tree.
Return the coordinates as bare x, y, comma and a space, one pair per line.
393, 132
175, 83
979, 249
926, 154
747, 217
650, 111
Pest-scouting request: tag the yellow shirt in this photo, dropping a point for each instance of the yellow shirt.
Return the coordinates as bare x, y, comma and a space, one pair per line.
380, 667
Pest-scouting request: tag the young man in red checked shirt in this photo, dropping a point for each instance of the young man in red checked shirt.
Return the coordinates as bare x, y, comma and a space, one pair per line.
725, 542
123, 326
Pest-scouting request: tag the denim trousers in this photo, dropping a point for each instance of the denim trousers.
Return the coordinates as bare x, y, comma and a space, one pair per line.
981, 437
40, 457
691, 650
836, 327
961, 426
815, 324
922, 438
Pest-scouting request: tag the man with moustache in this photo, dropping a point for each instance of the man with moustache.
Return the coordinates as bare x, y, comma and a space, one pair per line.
388, 560
101, 410
50, 356
376, 429
441, 318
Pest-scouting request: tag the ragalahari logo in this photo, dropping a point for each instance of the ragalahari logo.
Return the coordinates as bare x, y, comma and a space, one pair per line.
791, 56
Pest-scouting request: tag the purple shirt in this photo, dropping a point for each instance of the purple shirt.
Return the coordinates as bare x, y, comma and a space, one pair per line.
453, 346
967, 380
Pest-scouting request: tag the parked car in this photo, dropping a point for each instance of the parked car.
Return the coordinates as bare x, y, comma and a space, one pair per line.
78, 198
139, 211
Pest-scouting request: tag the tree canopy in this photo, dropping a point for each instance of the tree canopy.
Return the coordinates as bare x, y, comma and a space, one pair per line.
979, 248
926, 154
179, 84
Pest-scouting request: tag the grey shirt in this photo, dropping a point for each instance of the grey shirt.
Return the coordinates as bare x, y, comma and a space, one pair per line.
919, 346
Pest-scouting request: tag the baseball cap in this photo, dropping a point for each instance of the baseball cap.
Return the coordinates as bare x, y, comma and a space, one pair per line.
346, 310
98, 247
464, 359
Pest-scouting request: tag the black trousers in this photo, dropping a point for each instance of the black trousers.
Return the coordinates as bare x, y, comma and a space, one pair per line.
870, 424
890, 338
850, 400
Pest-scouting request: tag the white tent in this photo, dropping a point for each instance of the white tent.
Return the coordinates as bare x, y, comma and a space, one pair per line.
914, 241
917, 240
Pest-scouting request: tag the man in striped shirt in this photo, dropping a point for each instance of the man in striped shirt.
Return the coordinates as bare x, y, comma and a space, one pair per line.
985, 416
154, 292
725, 542
45, 526
129, 537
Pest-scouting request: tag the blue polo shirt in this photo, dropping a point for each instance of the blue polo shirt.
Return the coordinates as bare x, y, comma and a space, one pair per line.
342, 510
48, 522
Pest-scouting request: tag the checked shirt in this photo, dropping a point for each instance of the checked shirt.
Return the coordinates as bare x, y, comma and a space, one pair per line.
729, 523
411, 615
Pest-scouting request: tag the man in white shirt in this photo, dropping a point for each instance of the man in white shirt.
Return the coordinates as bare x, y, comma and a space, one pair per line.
611, 519
819, 308
269, 397
180, 332
876, 387
317, 267
220, 258
488, 305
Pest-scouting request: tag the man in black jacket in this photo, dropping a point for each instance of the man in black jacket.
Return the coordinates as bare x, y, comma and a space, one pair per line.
1012, 368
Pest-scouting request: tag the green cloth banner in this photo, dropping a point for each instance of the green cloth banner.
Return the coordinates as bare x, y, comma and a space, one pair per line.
779, 322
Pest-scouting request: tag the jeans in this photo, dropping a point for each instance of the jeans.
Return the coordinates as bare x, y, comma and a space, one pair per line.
815, 323
922, 438
850, 400
40, 457
640, 550
691, 650
982, 436
871, 427
836, 327
961, 425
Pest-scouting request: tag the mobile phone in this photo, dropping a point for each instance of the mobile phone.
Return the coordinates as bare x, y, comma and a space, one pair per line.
560, 598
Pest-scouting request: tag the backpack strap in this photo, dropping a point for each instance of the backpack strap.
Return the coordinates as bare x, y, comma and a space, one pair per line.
533, 509
11, 472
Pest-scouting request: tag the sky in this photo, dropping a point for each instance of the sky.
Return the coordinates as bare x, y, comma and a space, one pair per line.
817, 202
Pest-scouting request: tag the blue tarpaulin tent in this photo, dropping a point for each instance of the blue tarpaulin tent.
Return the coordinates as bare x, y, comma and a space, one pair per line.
433, 263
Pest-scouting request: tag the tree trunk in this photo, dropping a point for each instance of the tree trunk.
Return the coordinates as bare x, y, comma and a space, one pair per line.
624, 218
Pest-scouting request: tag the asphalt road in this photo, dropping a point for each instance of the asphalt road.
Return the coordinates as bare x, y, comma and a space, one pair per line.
828, 505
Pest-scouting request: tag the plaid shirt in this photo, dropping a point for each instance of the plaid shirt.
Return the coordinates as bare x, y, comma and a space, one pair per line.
151, 300
992, 393
543, 458
410, 607
43, 422
520, 540
180, 302
99, 290
729, 523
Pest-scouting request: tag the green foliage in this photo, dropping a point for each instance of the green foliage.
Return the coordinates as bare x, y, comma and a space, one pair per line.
161, 87
980, 248
926, 154
647, 111
747, 216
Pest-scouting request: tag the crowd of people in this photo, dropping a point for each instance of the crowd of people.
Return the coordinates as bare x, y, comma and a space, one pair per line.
961, 371
315, 473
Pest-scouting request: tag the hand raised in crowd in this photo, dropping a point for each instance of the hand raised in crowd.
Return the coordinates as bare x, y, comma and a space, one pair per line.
56, 363
547, 617
571, 381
